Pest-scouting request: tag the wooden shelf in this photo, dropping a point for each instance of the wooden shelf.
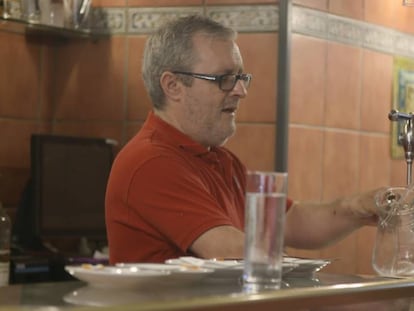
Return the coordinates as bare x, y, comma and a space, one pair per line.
36, 29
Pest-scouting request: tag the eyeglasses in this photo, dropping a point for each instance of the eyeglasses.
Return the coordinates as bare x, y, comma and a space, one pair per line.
226, 82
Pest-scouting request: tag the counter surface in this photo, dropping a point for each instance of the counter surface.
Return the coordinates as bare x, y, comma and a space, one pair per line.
322, 291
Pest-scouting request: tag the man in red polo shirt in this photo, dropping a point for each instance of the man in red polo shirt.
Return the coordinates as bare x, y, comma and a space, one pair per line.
174, 190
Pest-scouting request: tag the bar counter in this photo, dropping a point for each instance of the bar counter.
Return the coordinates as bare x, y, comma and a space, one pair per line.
321, 291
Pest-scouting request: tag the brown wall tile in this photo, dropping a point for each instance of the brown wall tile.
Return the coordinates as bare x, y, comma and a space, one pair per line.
150, 3
381, 12
109, 3
89, 80
398, 173
343, 254
138, 100
376, 91
340, 164
404, 16
343, 86
315, 4
111, 130
254, 145
207, 2
365, 244
308, 80
305, 163
20, 76
15, 138
374, 161
260, 59
353, 9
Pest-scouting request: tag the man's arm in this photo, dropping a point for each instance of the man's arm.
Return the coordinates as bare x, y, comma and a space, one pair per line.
219, 242
311, 225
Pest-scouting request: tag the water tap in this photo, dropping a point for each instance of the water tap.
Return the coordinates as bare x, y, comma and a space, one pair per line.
405, 138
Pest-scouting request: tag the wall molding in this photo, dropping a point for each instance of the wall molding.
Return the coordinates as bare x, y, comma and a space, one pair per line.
260, 18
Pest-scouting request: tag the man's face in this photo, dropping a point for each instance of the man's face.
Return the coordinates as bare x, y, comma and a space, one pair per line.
208, 113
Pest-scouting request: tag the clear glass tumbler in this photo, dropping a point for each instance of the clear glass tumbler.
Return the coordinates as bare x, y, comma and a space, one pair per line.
264, 227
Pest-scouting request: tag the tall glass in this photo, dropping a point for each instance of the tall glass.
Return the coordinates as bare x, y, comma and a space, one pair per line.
264, 227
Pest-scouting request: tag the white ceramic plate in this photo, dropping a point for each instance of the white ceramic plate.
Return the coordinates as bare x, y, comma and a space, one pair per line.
223, 268
111, 276
188, 261
177, 272
149, 266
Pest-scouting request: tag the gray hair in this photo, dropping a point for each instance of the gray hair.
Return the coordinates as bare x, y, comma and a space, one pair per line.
170, 48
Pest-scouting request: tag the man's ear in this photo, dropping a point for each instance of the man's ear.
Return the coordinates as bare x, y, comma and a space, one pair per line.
171, 85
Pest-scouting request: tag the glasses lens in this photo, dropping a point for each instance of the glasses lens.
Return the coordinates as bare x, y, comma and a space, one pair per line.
227, 82
246, 78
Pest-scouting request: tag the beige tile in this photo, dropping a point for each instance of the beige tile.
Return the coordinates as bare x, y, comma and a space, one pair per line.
307, 95
19, 76
374, 161
305, 163
259, 53
315, 4
89, 80
353, 9
254, 145
376, 91
343, 86
381, 12
138, 100
340, 164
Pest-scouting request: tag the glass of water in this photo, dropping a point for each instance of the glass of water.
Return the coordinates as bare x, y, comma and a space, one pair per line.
264, 230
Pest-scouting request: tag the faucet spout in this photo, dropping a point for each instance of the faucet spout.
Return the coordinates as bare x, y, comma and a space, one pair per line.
405, 138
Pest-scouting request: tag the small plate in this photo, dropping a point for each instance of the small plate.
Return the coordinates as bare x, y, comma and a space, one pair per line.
305, 266
112, 276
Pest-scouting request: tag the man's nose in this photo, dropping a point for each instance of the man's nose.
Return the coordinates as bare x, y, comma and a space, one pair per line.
240, 89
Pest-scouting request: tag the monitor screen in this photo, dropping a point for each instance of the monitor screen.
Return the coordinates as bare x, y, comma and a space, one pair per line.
69, 177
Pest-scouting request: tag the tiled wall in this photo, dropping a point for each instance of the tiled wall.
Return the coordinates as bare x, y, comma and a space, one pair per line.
341, 85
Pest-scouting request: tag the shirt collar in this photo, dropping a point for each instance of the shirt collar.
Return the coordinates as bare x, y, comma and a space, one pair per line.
176, 137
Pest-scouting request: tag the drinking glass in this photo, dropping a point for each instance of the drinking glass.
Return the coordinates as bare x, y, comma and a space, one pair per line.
264, 227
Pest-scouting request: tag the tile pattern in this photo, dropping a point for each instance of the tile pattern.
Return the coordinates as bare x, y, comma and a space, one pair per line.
260, 18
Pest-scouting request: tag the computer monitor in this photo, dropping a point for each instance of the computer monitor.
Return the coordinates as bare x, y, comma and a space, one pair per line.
69, 177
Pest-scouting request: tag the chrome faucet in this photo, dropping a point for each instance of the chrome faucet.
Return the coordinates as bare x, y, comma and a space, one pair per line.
405, 138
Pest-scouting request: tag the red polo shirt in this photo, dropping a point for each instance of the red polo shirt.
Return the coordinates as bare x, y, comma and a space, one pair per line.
165, 190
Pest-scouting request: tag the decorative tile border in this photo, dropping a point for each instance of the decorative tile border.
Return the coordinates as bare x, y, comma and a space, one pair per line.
253, 18
145, 20
260, 18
